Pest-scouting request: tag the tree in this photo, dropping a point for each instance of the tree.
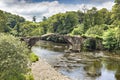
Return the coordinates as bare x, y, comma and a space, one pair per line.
117, 1
13, 58
116, 12
2, 21
62, 23
78, 30
96, 30
92, 15
80, 16
111, 39
90, 18
34, 18
44, 18
9, 21
105, 16
26, 28
37, 31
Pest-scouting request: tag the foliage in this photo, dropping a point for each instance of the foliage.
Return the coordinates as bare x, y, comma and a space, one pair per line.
62, 23
105, 16
116, 23
116, 12
91, 23
37, 32
89, 44
9, 21
28, 29
78, 30
29, 77
117, 1
33, 57
96, 30
111, 38
13, 58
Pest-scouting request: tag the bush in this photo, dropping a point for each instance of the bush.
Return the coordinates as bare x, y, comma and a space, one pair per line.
13, 58
111, 39
78, 30
33, 57
89, 44
37, 32
96, 31
29, 77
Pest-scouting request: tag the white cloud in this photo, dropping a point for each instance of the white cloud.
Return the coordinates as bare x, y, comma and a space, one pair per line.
28, 10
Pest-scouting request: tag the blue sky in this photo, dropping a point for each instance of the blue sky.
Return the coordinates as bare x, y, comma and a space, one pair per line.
74, 1
40, 8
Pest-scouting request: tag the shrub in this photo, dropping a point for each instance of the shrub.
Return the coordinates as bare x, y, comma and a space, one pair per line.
37, 32
96, 31
78, 30
89, 44
33, 57
111, 38
13, 58
29, 77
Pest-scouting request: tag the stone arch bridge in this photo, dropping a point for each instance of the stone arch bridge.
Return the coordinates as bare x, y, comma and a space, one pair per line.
75, 42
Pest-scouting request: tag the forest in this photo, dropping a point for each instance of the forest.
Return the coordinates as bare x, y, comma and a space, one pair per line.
102, 24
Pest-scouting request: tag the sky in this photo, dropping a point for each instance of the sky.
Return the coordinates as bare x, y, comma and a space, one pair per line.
40, 8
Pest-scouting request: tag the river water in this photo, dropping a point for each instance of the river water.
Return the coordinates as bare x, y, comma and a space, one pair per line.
78, 66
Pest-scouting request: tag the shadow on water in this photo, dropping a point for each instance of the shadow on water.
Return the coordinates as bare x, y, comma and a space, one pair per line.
79, 66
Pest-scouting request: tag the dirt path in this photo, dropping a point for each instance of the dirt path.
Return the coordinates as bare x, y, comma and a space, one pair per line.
43, 71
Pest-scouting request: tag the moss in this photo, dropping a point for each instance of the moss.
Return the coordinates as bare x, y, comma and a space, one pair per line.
33, 57
29, 77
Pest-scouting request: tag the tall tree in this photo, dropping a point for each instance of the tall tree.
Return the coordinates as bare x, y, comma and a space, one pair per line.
116, 10
34, 18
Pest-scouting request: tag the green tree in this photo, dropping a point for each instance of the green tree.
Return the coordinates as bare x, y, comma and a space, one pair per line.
78, 30
105, 16
62, 23
26, 28
80, 16
44, 18
96, 31
116, 10
111, 38
117, 1
34, 18
2, 21
9, 21
37, 31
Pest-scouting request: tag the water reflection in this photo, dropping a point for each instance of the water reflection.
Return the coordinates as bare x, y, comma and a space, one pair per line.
79, 67
113, 65
58, 47
94, 69
117, 74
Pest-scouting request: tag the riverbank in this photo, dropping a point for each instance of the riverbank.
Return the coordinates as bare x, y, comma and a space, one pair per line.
41, 70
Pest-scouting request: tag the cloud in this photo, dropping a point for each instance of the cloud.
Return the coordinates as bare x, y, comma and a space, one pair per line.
40, 9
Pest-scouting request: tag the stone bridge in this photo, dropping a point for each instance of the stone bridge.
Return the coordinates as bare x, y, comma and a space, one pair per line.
75, 42
30, 40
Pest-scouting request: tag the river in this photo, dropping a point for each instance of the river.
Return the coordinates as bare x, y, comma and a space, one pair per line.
78, 66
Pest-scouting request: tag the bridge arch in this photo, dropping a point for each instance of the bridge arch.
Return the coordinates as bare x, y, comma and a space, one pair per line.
75, 42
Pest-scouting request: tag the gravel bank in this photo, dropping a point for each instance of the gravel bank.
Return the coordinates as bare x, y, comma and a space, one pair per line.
43, 71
